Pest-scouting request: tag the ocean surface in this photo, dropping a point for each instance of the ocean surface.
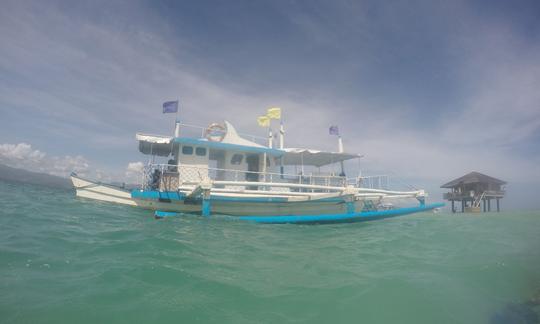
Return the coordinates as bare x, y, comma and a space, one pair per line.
69, 260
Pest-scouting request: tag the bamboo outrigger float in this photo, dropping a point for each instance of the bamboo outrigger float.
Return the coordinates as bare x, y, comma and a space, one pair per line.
226, 174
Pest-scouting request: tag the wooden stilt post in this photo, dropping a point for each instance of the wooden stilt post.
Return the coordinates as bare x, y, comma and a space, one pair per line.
498, 206
462, 205
484, 202
453, 208
489, 205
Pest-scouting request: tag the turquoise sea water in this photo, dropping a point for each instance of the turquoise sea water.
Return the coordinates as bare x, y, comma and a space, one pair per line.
65, 260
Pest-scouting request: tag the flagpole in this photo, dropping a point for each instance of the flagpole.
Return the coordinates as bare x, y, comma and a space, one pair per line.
340, 150
281, 134
177, 108
176, 121
270, 139
281, 144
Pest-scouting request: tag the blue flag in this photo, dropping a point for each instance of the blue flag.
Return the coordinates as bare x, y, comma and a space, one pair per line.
170, 107
334, 130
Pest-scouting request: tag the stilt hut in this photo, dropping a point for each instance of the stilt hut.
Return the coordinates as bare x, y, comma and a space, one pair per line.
474, 190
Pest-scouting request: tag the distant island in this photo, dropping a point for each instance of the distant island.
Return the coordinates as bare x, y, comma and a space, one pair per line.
10, 174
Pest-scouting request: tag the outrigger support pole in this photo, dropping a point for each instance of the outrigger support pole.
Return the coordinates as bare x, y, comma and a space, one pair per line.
206, 207
350, 205
202, 191
206, 210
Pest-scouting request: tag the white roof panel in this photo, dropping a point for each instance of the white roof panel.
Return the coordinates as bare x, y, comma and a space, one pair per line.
299, 156
154, 144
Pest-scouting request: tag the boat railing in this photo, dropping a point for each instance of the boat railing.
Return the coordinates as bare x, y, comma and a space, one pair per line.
370, 182
168, 177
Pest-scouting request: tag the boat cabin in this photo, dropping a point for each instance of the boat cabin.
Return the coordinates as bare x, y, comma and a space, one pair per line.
222, 154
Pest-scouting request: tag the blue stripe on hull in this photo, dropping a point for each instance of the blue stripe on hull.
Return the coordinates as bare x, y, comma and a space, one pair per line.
340, 218
159, 213
156, 195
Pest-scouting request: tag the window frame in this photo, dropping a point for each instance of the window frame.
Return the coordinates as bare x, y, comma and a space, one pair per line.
188, 147
198, 149
234, 161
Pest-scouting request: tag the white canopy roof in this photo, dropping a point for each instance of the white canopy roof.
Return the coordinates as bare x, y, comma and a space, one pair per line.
163, 145
299, 156
158, 139
155, 144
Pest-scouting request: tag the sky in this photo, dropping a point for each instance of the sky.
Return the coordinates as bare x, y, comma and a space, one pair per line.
427, 90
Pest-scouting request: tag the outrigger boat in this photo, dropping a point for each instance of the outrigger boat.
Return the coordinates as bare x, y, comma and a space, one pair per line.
220, 172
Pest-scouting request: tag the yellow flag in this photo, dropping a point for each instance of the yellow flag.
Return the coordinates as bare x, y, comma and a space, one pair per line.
274, 113
264, 121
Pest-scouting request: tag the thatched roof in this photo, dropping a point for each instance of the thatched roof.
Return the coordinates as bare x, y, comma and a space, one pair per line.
473, 177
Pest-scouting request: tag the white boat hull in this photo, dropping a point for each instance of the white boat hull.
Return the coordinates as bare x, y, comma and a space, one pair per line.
97, 191
103, 192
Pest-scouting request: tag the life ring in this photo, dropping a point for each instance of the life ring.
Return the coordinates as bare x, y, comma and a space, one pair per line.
215, 132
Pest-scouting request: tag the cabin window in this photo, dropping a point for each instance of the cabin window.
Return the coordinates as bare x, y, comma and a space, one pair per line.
200, 151
187, 150
237, 159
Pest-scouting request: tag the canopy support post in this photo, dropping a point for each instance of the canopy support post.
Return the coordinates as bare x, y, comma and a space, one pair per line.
350, 205
264, 167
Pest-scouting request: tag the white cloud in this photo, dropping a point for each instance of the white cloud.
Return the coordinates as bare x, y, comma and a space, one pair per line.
20, 153
135, 167
134, 172
414, 157
63, 166
23, 156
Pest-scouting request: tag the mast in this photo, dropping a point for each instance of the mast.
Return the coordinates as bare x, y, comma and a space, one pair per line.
281, 135
340, 150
